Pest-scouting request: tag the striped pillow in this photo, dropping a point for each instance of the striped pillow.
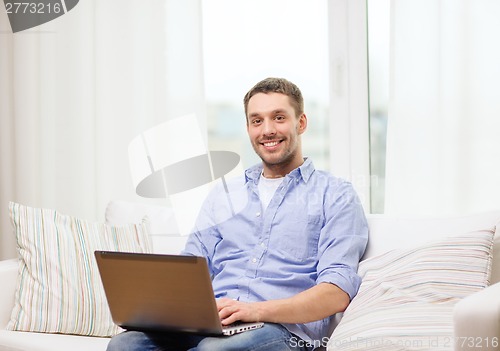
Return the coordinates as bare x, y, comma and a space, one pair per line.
59, 286
406, 299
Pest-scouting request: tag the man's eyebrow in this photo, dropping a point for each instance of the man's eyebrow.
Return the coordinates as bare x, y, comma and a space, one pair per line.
279, 111
274, 112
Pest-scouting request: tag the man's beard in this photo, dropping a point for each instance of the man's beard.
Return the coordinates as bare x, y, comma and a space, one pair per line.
285, 156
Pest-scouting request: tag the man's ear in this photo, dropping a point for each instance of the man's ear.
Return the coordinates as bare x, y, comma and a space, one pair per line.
302, 125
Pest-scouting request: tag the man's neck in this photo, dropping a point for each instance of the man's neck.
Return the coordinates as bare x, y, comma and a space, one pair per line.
272, 176
279, 171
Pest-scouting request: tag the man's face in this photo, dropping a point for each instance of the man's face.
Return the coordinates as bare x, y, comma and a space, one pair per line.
274, 129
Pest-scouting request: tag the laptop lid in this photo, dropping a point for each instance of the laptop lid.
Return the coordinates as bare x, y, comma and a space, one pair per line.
159, 292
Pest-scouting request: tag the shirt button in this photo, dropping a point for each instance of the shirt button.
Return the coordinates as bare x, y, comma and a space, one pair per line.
262, 244
258, 214
254, 260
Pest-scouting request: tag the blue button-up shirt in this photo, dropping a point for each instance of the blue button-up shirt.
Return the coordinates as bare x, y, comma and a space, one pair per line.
314, 230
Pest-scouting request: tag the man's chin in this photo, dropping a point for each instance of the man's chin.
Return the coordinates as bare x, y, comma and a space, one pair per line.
272, 160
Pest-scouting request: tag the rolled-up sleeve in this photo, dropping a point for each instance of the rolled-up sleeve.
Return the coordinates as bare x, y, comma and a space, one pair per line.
343, 239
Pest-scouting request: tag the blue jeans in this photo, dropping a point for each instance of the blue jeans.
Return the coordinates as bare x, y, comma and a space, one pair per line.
271, 337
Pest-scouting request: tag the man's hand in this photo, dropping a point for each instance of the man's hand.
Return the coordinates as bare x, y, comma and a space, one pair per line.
313, 304
231, 311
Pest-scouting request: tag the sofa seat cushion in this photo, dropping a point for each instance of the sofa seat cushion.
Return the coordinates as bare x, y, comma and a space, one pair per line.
27, 341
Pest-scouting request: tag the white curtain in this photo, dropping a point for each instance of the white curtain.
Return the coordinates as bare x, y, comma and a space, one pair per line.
75, 91
443, 143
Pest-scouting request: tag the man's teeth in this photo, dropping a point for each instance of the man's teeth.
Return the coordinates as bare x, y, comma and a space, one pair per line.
272, 143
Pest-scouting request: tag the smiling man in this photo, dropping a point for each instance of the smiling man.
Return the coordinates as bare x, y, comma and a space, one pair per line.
274, 127
289, 256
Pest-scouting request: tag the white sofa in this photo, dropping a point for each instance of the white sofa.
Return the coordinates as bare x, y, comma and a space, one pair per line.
477, 317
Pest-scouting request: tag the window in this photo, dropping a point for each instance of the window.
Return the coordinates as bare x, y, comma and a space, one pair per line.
246, 41
378, 49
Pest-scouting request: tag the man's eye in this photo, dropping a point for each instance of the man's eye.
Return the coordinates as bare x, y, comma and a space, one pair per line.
280, 118
256, 121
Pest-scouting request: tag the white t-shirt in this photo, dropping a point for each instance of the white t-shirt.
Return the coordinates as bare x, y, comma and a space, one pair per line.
267, 188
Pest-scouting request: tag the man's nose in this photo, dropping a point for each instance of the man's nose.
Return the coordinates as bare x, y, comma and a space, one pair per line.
268, 128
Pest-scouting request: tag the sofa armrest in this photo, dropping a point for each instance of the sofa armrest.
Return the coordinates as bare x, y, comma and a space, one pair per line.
476, 320
8, 277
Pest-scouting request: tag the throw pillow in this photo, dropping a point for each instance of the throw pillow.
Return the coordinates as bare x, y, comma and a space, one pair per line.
406, 299
59, 286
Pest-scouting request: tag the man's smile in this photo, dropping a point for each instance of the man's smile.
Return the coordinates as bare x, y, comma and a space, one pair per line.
272, 144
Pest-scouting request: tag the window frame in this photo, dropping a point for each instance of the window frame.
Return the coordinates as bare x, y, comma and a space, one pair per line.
349, 95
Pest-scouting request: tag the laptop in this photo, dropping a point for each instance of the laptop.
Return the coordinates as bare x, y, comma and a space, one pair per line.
153, 292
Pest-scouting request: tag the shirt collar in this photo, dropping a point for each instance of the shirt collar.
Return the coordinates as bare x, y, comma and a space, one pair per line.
304, 171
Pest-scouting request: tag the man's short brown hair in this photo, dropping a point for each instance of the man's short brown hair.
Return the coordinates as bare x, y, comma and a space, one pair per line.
277, 85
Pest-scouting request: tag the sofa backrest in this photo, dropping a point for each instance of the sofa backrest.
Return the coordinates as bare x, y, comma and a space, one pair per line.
8, 277
165, 235
387, 233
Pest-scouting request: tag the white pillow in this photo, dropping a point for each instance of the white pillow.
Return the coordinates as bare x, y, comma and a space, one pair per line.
164, 232
161, 218
59, 286
406, 299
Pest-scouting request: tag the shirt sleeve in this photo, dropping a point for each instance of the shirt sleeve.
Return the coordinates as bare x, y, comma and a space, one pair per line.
205, 235
343, 239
